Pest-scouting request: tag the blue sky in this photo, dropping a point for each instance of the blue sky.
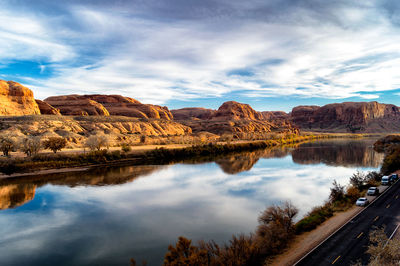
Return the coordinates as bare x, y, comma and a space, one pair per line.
272, 54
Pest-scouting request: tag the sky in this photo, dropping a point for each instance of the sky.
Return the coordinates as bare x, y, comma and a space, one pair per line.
271, 54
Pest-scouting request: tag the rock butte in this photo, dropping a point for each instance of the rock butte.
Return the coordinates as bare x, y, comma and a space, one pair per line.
16, 99
231, 117
105, 105
348, 117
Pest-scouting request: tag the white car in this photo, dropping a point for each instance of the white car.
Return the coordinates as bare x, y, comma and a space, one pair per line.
372, 191
362, 202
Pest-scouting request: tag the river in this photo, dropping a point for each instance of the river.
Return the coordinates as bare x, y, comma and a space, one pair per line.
105, 216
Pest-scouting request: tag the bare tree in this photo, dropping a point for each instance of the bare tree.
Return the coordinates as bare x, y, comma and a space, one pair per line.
96, 142
31, 145
7, 145
275, 228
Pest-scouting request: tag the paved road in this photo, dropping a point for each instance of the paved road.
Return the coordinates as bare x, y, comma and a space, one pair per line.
348, 245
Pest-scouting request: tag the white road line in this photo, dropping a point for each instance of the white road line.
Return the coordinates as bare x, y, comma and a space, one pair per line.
354, 216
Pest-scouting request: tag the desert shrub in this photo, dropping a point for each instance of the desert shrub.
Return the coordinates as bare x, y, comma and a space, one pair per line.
337, 192
96, 142
275, 228
373, 178
7, 144
353, 193
357, 180
184, 253
125, 147
31, 145
314, 218
55, 144
241, 250
391, 162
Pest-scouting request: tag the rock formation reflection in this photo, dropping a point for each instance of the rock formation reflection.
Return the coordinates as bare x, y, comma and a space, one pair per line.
18, 191
15, 195
356, 153
244, 161
349, 153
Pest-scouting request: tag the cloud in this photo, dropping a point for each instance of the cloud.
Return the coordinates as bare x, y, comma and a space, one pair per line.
184, 50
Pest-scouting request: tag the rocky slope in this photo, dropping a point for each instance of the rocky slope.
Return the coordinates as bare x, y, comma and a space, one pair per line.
193, 113
76, 105
234, 118
16, 99
98, 104
236, 111
348, 117
47, 109
77, 129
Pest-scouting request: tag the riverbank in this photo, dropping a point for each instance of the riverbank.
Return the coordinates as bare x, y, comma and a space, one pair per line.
146, 154
304, 243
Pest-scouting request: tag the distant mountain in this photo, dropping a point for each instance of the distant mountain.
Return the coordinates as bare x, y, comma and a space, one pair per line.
355, 117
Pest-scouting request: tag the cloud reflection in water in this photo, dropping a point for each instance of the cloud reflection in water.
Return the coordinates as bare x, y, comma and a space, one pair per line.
85, 223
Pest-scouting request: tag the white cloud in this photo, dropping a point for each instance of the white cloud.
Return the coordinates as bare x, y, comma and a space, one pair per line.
157, 60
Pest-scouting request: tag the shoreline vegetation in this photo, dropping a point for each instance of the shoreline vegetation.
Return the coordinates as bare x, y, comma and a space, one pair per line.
276, 231
35, 161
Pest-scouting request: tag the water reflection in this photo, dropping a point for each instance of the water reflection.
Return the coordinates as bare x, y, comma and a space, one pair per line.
358, 153
347, 153
107, 215
15, 195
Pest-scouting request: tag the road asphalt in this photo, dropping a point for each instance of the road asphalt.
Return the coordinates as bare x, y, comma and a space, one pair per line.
349, 244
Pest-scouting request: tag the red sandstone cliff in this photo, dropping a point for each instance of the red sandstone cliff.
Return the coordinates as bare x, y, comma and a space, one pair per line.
234, 118
348, 117
98, 104
47, 109
193, 113
16, 99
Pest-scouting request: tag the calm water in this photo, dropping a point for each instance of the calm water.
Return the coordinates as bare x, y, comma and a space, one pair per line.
108, 215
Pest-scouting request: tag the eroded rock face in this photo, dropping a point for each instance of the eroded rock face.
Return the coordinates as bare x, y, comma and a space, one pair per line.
16, 99
47, 109
76, 105
234, 118
193, 113
236, 111
273, 115
348, 117
99, 104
